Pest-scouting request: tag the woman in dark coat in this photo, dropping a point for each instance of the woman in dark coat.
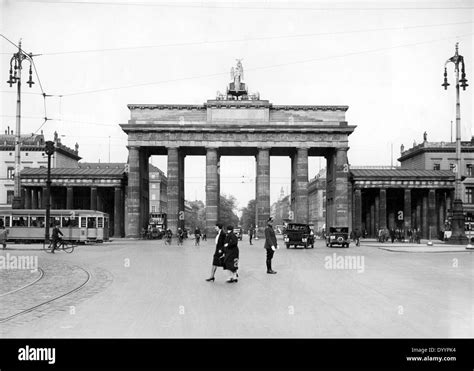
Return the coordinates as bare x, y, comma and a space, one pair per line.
231, 258
217, 259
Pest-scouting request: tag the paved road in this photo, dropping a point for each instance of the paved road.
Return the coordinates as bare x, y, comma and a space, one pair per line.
146, 289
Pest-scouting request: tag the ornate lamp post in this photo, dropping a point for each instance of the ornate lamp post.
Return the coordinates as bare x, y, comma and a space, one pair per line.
457, 223
49, 150
15, 77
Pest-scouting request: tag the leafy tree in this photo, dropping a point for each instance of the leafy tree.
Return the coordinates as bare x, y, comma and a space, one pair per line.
227, 207
196, 217
248, 215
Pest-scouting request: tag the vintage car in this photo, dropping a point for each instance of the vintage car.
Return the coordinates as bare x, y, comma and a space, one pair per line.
298, 234
338, 236
238, 233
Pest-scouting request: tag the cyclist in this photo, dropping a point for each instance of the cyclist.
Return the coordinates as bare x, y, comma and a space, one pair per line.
180, 236
197, 236
55, 237
169, 236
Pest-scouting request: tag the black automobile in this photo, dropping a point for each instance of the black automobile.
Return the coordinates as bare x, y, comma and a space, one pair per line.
298, 234
338, 236
238, 233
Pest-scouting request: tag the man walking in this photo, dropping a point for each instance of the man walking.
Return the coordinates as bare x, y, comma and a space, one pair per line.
251, 234
270, 244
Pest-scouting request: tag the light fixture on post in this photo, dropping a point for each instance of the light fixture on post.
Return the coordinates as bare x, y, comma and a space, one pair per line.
458, 235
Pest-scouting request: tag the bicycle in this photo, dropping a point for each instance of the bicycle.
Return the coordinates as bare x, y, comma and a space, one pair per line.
67, 246
196, 241
168, 240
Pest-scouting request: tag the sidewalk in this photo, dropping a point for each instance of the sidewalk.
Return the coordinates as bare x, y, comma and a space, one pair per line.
436, 247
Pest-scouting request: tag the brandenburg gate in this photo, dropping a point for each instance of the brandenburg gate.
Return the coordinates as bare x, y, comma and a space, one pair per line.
237, 124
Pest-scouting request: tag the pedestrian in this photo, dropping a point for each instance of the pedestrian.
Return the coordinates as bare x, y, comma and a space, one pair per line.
218, 258
180, 236
270, 244
357, 237
55, 237
197, 236
168, 237
231, 254
251, 234
3, 236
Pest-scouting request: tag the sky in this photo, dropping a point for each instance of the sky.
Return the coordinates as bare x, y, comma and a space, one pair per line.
383, 59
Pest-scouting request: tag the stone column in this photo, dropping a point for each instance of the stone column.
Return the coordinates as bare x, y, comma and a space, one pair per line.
424, 218
432, 219
181, 213
418, 214
383, 208
118, 212
43, 197
93, 198
263, 188
212, 190
34, 198
358, 209
100, 203
407, 209
27, 198
173, 188
372, 220
300, 181
144, 188
69, 198
132, 222
377, 214
341, 194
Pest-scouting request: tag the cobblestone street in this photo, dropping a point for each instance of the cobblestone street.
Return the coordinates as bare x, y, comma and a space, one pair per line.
129, 288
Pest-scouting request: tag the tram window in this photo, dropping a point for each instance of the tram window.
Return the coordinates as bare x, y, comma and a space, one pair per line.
2, 221
100, 222
70, 222
8, 221
106, 222
19, 222
91, 222
37, 221
54, 220
83, 222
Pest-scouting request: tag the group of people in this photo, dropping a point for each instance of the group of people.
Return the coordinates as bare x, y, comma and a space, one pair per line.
398, 234
226, 254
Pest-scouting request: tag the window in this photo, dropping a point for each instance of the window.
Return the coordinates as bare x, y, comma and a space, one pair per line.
470, 195
37, 221
91, 222
19, 221
70, 222
469, 170
153, 209
153, 186
153, 197
10, 172
100, 222
10, 197
436, 167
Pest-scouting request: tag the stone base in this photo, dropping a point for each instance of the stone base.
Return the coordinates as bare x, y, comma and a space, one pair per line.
458, 240
17, 203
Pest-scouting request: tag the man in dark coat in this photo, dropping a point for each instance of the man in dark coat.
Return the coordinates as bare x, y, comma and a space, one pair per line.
231, 258
270, 244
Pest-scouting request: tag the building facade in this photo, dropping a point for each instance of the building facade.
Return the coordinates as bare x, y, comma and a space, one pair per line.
32, 156
317, 201
158, 190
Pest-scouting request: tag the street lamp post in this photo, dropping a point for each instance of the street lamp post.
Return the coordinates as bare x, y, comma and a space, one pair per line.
49, 150
15, 77
457, 223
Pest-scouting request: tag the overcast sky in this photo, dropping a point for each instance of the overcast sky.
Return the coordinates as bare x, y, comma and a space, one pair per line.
383, 59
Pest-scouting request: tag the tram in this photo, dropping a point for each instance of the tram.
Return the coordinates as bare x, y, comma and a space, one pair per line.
28, 225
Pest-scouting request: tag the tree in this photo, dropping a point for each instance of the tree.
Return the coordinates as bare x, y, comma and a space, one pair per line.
227, 207
195, 215
248, 215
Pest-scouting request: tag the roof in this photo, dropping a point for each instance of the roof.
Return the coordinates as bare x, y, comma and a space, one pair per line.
401, 173
73, 172
102, 165
153, 169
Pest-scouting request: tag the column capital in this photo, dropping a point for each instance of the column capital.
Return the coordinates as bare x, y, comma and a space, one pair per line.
340, 149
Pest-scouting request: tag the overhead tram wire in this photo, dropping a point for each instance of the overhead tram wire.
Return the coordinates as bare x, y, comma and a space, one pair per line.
266, 67
262, 38
240, 7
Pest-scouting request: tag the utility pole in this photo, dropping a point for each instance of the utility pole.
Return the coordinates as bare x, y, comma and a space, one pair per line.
458, 235
15, 77
49, 150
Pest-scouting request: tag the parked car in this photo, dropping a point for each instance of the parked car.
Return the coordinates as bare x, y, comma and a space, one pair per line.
298, 234
338, 236
238, 232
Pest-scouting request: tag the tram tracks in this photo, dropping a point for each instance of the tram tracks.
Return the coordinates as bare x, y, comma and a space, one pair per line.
36, 306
